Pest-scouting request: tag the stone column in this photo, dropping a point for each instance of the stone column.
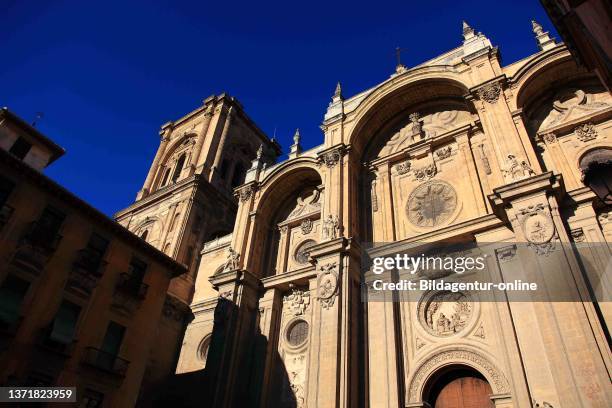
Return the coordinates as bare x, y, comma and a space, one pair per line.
165, 137
222, 140
197, 150
556, 338
333, 379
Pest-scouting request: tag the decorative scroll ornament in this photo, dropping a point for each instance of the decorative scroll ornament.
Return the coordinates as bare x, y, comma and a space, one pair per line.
306, 203
306, 226
538, 228
506, 254
578, 235
232, 260
431, 204
515, 170
489, 92
331, 158
444, 153
245, 193
586, 132
426, 172
297, 301
549, 138
327, 284
403, 168
444, 314
331, 227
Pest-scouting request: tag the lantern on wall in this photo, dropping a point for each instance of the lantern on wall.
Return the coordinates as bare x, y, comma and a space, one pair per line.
596, 168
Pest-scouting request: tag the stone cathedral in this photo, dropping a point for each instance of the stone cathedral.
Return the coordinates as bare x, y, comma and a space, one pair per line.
459, 147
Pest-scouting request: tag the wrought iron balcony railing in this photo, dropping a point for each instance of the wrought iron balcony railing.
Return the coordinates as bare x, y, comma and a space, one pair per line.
41, 237
130, 285
105, 361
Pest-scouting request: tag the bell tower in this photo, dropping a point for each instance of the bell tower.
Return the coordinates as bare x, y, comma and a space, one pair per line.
188, 198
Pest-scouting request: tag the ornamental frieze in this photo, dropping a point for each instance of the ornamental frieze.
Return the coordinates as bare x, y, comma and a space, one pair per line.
489, 92
431, 204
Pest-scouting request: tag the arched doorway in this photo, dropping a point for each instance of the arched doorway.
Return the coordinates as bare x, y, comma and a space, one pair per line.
458, 387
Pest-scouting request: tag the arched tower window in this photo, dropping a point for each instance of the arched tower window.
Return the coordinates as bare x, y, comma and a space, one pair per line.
179, 166
174, 222
238, 177
165, 179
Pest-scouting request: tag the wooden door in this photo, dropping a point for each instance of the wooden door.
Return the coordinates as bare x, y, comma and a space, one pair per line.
465, 392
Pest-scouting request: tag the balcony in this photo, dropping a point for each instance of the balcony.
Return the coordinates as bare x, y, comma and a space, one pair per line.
6, 211
35, 247
41, 237
86, 272
132, 286
56, 342
104, 361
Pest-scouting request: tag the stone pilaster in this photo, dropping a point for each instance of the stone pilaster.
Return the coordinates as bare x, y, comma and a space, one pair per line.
165, 137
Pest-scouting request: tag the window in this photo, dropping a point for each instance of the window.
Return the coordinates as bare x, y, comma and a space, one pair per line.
12, 292
224, 168
174, 221
137, 270
165, 179
111, 345
48, 225
179, 166
20, 148
238, 177
6, 187
96, 248
297, 333
64, 324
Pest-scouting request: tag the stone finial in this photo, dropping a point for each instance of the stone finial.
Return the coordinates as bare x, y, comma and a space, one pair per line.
259, 152
296, 137
545, 42
296, 148
468, 32
338, 91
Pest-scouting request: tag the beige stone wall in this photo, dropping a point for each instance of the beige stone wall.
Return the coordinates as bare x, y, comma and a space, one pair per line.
493, 145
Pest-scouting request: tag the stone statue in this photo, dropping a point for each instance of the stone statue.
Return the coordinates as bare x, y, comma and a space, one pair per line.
232, 260
515, 170
331, 227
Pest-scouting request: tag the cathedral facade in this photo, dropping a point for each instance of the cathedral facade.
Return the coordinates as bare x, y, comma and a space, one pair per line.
457, 148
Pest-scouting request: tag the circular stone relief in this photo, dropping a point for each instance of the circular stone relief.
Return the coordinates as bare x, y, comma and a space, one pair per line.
538, 228
445, 313
297, 333
303, 252
431, 204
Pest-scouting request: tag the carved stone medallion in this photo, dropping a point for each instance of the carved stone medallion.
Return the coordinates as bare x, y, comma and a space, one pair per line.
327, 285
431, 204
444, 314
538, 227
306, 226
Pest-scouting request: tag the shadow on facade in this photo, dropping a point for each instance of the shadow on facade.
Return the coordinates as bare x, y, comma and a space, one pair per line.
235, 369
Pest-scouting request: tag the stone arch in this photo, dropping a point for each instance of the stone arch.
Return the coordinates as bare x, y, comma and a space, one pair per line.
187, 140
394, 96
455, 356
153, 226
297, 180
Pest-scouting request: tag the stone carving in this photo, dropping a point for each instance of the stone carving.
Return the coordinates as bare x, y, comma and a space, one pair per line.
306, 226
578, 235
374, 196
232, 260
419, 343
496, 379
431, 204
426, 172
417, 126
297, 301
544, 404
432, 125
403, 168
485, 159
549, 138
331, 158
506, 254
480, 332
489, 92
327, 284
306, 203
444, 314
245, 193
604, 218
538, 228
331, 227
444, 153
293, 394
572, 104
302, 253
515, 170
283, 229
586, 132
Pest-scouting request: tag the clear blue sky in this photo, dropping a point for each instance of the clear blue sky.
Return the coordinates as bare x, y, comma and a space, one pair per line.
107, 76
